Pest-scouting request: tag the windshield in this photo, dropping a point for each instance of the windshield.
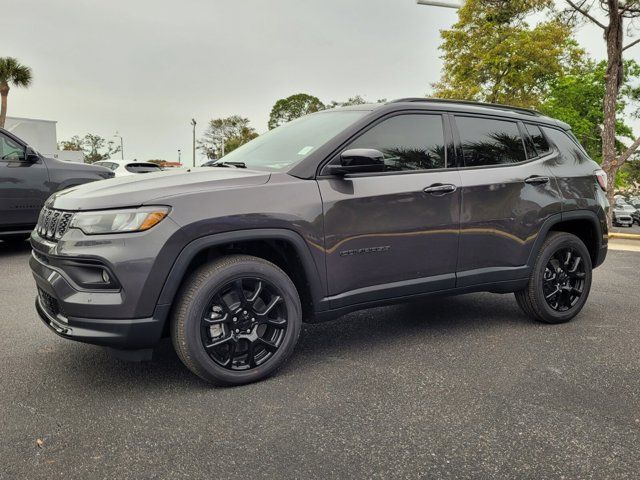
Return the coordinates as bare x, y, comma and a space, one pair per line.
285, 146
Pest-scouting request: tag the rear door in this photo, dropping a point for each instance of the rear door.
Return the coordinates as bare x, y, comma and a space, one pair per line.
386, 235
507, 192
24, 186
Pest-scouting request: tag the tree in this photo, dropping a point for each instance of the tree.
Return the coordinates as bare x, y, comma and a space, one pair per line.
223, 135
356, 100
94, 147
492, 54
295, 106
576, 98
12, 73
616, 13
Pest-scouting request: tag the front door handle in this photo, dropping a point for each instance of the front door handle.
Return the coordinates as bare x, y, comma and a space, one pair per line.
441, 189
536, 180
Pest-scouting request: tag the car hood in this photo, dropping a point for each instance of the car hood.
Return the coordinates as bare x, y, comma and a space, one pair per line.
622, 211
147, 188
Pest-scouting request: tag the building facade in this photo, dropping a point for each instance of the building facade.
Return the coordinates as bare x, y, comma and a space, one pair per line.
41, 135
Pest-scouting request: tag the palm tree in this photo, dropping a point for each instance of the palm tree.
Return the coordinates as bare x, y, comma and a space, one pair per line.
12, 73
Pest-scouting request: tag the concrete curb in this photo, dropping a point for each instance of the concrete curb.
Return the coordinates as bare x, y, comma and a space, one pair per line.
626, 236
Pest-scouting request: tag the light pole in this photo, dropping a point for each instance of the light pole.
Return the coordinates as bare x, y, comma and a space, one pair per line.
193, 122
179, 153
450, 4
117, 135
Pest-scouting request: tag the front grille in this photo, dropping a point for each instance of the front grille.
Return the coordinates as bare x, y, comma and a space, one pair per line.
53, 224
49, 303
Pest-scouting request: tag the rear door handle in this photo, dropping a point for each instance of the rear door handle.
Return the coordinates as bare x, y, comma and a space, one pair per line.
441, 189
536, 180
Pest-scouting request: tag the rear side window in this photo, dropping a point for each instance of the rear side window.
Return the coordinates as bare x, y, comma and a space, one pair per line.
142, 167
568, 149
486, 141
539, 141
408, 142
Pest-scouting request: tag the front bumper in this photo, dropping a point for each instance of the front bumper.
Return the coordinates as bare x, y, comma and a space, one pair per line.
120, 334
125, 315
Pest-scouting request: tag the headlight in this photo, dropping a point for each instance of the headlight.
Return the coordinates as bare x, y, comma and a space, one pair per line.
119, 221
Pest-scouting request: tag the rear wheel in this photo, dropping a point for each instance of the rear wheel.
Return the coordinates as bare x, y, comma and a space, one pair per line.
237, 320
560, 281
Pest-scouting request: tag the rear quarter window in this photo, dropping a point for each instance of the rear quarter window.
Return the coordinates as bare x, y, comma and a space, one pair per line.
540, 143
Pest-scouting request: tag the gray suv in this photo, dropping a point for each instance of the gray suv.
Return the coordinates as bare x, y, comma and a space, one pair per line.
27, 179
337, 211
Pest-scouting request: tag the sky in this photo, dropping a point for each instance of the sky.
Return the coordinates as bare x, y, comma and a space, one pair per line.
144, 68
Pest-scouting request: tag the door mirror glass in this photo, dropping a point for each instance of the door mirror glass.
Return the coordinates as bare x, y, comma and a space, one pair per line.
359, 160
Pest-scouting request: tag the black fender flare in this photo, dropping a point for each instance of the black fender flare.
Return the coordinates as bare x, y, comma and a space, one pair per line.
557, 218
188, 253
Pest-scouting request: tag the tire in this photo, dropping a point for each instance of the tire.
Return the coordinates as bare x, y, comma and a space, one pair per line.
203, 296
546, 282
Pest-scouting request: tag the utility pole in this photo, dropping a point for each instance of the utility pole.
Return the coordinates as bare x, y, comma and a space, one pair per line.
447, 4
117, 135
193, 123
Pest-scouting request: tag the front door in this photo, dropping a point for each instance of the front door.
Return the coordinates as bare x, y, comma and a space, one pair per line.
394, 233
23, 186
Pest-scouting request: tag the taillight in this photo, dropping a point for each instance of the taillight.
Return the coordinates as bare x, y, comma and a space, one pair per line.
601, 177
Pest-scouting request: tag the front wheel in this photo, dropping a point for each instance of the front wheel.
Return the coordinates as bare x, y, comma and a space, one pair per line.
237, 320
560, 281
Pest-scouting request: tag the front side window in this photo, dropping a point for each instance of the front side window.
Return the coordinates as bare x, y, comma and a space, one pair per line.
486, 141
10, 150
408, 142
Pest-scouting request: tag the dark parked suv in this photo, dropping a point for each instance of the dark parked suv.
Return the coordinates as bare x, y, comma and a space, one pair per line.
27, 179
340, 210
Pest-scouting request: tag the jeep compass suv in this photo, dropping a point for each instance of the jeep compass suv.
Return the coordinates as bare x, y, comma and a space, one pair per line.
337, 211
27, 179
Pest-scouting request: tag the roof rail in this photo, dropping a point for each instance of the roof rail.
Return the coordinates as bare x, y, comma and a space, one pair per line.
496, 106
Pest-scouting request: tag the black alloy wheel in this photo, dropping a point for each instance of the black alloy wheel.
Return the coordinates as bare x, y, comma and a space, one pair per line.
563, 280
560, 280
236, 320
244, 324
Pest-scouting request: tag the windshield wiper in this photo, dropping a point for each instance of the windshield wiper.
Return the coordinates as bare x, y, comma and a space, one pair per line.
224, 164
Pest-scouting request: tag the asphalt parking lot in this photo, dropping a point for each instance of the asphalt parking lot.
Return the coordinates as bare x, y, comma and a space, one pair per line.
463, 387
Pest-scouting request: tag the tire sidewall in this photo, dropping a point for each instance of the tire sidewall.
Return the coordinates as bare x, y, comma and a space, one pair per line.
561, 241
202, 298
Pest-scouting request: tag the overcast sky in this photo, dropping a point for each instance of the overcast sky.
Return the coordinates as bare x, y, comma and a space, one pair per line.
146, 67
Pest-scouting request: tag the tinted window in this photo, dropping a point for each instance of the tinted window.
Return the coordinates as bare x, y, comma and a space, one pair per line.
539, 141
10, 150
142, 167
283, 147
408, 142
490, 142
568, 149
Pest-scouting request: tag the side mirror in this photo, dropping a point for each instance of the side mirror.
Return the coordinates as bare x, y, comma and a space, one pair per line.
31, 156
359, 160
